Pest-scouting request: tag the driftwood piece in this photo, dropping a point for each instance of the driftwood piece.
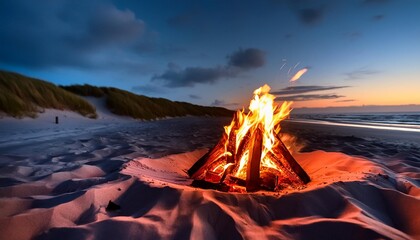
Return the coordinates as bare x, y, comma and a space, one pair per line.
253, 167
294, 165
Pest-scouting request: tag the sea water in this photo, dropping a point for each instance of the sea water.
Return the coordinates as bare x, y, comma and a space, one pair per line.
406, 121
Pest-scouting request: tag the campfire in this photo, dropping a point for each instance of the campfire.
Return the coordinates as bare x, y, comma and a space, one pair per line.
251, 156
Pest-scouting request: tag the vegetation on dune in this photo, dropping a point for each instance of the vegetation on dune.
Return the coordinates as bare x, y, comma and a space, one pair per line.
24, 96
141, 107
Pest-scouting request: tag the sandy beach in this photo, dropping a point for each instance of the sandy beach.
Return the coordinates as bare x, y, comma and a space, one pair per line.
57, 181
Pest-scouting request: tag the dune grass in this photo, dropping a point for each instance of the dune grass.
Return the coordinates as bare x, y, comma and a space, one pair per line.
24, 96
141, 107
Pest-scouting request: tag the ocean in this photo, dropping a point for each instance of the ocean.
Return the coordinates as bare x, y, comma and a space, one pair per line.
405, 121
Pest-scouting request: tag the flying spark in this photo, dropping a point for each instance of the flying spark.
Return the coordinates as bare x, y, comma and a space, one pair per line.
299, 74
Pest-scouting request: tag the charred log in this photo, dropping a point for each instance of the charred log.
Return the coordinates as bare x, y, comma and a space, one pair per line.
199, 167
208, 185
253, 168
292, 162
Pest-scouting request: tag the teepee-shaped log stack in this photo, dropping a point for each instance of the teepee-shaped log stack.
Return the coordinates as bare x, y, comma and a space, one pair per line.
219, 168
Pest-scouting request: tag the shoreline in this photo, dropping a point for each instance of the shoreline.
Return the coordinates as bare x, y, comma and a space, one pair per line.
344, 129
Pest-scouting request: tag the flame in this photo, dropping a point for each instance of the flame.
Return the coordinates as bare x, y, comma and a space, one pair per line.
299, 74
264, 114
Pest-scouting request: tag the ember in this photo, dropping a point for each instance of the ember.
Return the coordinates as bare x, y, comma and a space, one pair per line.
250, 155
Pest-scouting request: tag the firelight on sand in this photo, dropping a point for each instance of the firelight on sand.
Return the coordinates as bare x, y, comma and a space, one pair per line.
251, 153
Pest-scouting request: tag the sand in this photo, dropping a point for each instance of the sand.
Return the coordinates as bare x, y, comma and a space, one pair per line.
56, 182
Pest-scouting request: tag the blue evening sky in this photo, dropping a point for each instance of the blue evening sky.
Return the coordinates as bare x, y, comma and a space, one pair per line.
358, 52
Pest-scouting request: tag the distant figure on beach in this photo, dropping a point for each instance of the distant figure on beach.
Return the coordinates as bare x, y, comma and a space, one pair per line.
56, 119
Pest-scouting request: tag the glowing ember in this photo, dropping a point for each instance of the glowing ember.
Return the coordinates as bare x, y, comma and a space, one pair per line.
250, 153
299, 74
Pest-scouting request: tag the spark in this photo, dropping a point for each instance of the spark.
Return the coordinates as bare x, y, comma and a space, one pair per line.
282, 66
297, 64
299, 74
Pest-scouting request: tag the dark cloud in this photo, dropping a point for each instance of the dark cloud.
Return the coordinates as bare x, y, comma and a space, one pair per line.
222, 103
107, 25
241, 60
346, 100
311, 16
308, 12
192, 96
247, 58
360, 73
190, 76
185, 18
308, 97
305, 89
66, 33
378, 17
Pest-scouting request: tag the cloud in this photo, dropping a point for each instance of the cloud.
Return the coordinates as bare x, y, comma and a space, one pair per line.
241, 60
222, 103
192, 96
247, 58
346, 100
105, 25
378, 17
360, 73
308, 12
310, 16
308, 97
190, 76
67, 33
305, 89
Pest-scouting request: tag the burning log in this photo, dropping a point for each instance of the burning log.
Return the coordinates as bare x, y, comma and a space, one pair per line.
199, 167
253, 168
250, 155
292, 162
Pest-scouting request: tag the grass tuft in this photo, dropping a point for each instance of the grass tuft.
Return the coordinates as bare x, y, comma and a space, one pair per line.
136, 106
22, 96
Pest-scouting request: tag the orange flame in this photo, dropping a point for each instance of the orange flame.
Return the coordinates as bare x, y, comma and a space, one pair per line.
266, 115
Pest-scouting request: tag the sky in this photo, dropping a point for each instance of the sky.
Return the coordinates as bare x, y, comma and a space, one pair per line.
357, 52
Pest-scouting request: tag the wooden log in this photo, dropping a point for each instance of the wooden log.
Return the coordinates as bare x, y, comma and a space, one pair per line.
243, 146
284, 167
253, 167
199, 167
231, 144
292, 162
226, 172
209, 185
